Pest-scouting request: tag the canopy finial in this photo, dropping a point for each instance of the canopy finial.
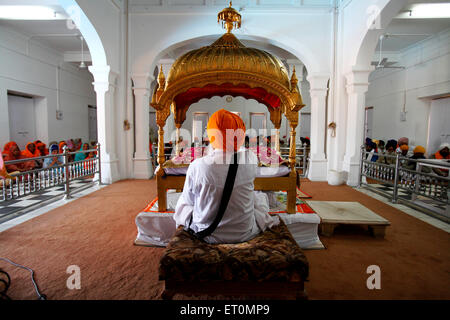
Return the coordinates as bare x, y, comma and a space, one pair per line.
231, 19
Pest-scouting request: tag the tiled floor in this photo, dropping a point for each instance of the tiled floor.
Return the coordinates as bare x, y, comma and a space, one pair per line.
11, 209
46, 207
412, 212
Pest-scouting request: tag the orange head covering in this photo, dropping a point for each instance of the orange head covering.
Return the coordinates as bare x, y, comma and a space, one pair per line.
27, 153
419, 149
226, 130
44, 148
404, 147
7, 150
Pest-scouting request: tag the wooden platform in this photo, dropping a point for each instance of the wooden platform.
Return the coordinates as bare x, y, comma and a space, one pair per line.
334, 213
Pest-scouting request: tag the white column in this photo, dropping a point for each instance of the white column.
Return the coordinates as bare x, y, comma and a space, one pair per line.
142, 161
104, 86
317, 170
357, 85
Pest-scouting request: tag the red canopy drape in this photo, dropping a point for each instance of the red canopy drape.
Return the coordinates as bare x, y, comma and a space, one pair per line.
185, 99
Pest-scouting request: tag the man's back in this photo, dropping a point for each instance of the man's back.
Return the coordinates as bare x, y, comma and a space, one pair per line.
202, 194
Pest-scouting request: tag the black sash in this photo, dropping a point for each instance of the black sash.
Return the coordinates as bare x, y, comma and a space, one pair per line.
226, 195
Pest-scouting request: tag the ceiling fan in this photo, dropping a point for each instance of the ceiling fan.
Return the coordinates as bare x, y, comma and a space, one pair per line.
385, 64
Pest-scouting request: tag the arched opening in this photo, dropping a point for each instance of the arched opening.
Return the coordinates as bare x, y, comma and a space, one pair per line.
101, 73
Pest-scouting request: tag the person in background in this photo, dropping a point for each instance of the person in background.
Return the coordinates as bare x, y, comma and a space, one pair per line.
418, 153
61, 146
43, 151
56, 160
4, 175
371, 148
30, 151
71, 146
381, 146
389, 151
11, 151
82, 155
442, 154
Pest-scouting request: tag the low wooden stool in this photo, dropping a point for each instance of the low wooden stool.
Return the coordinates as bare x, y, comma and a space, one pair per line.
271, 265
334, 213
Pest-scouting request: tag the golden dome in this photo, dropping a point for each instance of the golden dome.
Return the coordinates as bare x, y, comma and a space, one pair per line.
227, 54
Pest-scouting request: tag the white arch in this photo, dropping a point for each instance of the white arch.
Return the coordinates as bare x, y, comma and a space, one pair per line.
368, 37
147, 62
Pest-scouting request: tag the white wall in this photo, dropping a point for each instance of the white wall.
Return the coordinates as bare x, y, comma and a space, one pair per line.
426, 75
31, 68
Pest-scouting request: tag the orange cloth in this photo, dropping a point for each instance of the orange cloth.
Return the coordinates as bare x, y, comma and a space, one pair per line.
27, 153
419, 149
8, 156
404, 147
40, 144
438, 155
61, 146
3, 172
217, 127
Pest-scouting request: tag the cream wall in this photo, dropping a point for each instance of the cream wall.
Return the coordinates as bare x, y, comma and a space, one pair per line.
31, 68
426, 75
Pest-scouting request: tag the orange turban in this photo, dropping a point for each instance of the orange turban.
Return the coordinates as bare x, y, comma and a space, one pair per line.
223, 123
419, 149
404, 147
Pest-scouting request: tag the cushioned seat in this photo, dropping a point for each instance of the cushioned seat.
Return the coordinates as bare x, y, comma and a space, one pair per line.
271, 257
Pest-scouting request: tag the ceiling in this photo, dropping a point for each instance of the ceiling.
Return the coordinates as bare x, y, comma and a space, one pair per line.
58, 34
61, 36
405, 31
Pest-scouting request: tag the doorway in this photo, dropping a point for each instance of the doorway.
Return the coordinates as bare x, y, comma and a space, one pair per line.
438, 128
22, 124
92, 114
368, 123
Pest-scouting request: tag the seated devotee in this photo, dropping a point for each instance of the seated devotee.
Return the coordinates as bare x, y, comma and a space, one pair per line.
56, 160
371, 148
4, 175
82, 155
401, 142
391, 145
42, 149
11, 151
203, 208
32, 152
61, 146
418, 153
442, 154
381, 146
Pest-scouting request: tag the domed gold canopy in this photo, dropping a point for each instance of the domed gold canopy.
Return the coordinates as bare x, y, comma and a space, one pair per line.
228, 55
227, 67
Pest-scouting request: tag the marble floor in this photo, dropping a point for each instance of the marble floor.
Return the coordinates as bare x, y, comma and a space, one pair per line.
410, 211
47, 207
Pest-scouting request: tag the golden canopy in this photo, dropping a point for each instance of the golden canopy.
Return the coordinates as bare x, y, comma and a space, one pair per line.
228, 54
227, 67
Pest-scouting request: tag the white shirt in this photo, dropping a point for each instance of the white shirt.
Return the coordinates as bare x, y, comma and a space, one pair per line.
247, 211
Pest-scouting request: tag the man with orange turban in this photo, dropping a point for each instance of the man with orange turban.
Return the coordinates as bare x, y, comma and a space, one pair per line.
246, 214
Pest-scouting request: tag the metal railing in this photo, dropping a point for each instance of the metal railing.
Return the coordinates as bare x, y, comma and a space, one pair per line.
418, 180
301, 158
25, 183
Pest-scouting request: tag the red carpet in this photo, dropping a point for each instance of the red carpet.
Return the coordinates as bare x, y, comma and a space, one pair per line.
97, 232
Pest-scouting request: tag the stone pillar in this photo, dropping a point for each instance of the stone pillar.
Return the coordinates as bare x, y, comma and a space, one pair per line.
357, 85
317, 170
142, 161
104, 86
